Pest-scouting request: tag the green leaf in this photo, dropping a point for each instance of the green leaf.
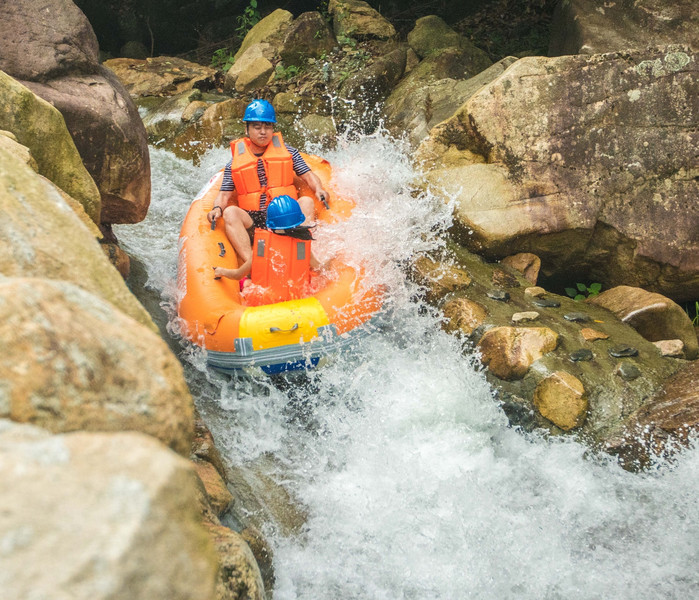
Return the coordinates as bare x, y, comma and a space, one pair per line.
595, 288
579, 297
581, 286
571, 292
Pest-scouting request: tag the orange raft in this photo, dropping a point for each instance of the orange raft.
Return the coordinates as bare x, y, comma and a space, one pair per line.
291, 335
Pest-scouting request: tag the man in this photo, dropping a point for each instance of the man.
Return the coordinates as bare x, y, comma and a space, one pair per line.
262, 168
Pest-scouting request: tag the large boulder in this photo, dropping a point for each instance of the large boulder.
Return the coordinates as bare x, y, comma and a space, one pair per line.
54, 52
432, 34
586, 161
654, 316
159, 76
71, 362
587, 27
429, 94
41, 235
356, 19
269, 30
309, 36
41, 128
91, 516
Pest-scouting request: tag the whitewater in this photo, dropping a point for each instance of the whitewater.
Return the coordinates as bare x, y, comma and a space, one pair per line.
410, 483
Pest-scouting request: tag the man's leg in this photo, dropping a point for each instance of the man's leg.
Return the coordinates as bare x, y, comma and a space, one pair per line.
237, 222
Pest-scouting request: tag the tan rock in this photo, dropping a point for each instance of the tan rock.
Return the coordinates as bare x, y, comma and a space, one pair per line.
603, 203
526, 263
464, 315
441, 278
592, 335
194, 110
159, 75
673, 348
534, 291
71, 361
654, 316
269, 30
357, 19
520, 317
41, 128
238, 575
562, 400
508, 352
40, 234
92, 516
220, 498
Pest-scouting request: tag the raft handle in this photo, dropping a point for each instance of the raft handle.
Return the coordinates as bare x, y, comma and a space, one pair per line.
279, 329
223, 249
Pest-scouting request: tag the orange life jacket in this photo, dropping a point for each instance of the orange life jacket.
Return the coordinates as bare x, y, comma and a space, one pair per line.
281, 265
279, 168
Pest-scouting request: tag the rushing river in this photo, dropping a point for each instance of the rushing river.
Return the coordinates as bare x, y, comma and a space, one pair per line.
411, 483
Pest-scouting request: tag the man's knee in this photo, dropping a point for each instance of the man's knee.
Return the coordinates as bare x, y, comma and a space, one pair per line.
233, 215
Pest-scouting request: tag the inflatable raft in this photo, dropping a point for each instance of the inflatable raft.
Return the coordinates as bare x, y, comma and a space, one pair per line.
285, 336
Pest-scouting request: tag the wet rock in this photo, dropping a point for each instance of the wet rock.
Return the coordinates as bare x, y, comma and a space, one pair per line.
534, 291
464, 315
672, 348
561, 399
654, 316
508, 352
503, 279
499, 295
546, 302
526, 263
577, 317
439, 277
238, 574
100, 516
662, 426
628, 371
521, 317
622, 351
581, 355
356, 19
194, 111
592, 335
217, 493
71, 361
251, 70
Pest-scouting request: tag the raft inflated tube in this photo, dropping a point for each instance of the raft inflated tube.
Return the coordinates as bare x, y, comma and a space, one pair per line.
295, 334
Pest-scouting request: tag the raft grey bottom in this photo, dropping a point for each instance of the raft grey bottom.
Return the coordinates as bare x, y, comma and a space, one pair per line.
306, 355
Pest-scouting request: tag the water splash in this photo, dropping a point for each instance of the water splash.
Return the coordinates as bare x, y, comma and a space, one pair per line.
412, 484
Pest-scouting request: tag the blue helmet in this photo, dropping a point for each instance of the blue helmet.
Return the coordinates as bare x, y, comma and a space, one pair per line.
284, 213
260, 110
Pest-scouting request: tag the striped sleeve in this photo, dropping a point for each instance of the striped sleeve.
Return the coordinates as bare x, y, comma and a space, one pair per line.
300, 166
227, 184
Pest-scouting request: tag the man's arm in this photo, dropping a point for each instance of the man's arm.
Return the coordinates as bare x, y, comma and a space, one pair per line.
316, 185
222, 200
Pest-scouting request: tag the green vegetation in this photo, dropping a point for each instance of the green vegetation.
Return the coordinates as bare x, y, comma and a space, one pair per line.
692, 311
282, 72
582, 291
249, 18
222, 59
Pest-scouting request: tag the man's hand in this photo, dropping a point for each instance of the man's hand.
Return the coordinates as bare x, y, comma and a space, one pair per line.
214, 213
323, 196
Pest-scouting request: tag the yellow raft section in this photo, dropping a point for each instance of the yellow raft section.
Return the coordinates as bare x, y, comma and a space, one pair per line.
212, 313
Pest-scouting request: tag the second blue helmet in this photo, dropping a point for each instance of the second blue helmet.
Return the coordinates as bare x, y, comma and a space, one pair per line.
260, 110
284, 213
